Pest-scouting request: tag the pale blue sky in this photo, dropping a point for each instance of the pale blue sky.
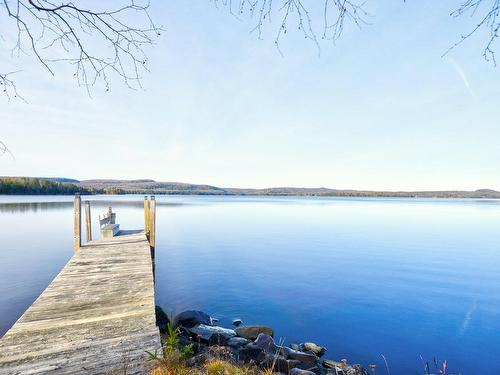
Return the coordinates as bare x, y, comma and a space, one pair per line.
381, 109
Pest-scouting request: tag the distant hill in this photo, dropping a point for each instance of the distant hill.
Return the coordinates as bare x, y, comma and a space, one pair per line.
110, 181
59, 179
481, 193
148, 186
145, 186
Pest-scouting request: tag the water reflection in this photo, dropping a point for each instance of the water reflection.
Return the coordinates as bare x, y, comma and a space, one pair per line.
360, 276
34, 207
30, 207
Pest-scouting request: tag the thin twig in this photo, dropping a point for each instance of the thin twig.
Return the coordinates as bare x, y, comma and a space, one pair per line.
45, 28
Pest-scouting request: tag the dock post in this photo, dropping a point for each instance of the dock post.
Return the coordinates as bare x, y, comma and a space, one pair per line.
152, 232
146, 216
152, 222
88, 221
77, 238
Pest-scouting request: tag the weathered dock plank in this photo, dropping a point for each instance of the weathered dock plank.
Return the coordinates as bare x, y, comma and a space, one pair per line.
96, 317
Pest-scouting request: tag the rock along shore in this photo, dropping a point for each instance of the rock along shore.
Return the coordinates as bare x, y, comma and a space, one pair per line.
254, 345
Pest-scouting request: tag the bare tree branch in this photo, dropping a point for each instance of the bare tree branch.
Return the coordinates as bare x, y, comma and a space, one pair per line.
8, 87
4, 150
67, 32
488, 12
297, 14
100, 43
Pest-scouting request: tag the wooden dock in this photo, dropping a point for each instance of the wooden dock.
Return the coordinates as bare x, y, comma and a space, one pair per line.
96, 317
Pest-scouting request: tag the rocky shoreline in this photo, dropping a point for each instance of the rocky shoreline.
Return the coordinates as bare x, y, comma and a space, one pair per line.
254, 345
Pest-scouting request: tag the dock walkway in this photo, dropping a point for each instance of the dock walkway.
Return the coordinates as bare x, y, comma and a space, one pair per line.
96, 317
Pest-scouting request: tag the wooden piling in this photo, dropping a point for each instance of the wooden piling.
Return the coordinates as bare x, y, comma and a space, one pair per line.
152, 222
77, 238
88, 222
146, 216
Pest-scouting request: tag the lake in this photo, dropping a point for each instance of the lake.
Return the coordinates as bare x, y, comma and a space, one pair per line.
402, 278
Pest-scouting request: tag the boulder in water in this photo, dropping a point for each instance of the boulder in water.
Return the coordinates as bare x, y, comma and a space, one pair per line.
237, 342
313, 348
251, 332
301, 356
205, 332
191, 318
328, 363
237, 322
266, 343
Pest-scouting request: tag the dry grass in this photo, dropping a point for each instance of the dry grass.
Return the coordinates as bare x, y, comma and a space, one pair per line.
176, 366
221, 367
267, 371
173, 360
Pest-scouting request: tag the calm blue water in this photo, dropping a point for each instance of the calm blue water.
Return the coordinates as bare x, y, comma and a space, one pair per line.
363, 277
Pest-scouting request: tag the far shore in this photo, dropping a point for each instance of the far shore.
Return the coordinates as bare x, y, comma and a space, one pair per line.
67, 186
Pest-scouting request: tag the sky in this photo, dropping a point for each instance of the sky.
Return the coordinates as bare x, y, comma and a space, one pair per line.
380, 109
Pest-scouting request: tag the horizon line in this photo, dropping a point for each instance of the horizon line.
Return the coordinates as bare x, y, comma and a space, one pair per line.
117, 180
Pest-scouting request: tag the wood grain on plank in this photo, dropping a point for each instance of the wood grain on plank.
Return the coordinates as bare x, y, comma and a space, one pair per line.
96, 317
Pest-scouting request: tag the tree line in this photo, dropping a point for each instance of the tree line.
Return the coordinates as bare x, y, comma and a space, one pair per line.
24, 185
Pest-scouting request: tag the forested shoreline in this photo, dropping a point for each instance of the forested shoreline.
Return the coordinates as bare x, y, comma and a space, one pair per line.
38, 186
66, 186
